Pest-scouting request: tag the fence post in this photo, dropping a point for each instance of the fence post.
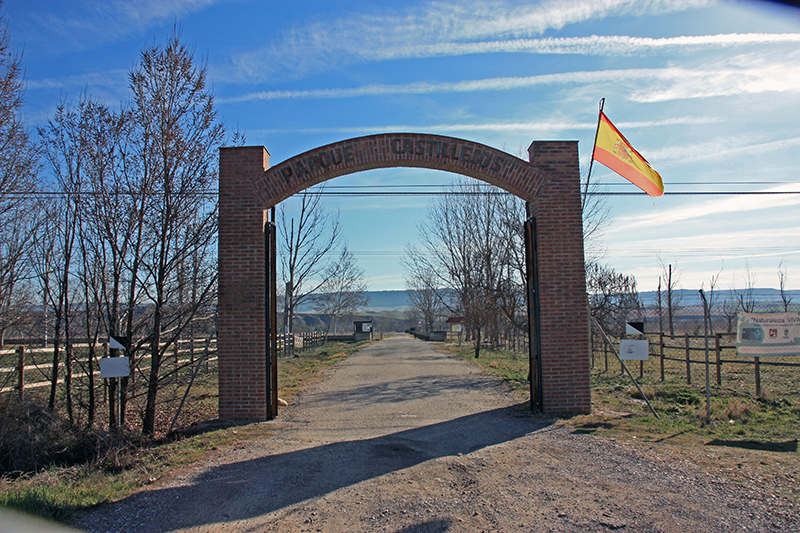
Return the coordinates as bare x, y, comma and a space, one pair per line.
688, 360
20, 371
758, 376
718, 348
605, 354
661, 350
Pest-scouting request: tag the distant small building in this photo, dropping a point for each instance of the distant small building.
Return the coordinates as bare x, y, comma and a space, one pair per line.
362, 330
455, 326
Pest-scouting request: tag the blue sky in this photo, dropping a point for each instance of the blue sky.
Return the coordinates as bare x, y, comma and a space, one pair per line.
708, 92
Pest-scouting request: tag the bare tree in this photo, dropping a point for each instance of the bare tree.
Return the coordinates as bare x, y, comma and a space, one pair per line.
673, 295
307, 237
746, 297
596, 218
423, 294
63, 139
18, 180
729, 310
786, 297
177, 135
342, 293
465, 245
613, 297
711, 298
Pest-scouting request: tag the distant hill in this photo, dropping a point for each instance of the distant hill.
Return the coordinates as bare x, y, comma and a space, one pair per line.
378, 301
692, 297
388, 300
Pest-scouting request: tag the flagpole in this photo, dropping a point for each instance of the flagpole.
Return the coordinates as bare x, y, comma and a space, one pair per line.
594, 146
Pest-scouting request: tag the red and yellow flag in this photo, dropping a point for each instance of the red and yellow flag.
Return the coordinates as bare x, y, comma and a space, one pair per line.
613, 150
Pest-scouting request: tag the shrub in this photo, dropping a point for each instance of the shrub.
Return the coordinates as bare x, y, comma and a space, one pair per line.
32, 438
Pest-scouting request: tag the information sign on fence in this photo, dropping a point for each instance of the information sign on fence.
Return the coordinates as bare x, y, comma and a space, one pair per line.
633, 350
761, 334
114, 367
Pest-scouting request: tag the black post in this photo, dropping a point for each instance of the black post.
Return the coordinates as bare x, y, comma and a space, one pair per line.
534, 331
271, 316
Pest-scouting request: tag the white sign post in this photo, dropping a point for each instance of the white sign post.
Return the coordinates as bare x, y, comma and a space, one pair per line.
634, 350
116, 367
768, 334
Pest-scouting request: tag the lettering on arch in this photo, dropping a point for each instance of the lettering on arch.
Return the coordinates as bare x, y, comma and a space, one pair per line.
402, 150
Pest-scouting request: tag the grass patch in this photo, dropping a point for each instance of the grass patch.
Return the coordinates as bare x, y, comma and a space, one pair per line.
510, 367
295, 373
116, 467
748, 439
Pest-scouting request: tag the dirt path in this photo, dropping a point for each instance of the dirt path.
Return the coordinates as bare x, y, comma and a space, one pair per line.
401, 438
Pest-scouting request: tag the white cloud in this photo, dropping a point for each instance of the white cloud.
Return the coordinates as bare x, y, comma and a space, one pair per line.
740, 75
76, 25
419, 31
538, 126
606, 45
722, 148
116, 78
736, 204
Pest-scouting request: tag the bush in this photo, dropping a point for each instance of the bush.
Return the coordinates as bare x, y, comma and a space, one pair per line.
32, 438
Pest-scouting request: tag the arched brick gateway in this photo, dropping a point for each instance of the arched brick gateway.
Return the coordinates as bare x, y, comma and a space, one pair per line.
250, 189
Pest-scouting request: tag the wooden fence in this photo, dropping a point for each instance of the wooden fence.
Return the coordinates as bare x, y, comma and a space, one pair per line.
681, 355
290, 344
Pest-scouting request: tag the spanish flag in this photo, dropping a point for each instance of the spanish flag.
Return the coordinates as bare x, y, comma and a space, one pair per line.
613, 150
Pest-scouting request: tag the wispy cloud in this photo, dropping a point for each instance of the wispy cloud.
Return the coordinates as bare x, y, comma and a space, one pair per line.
611, 45
722, 148
437, 28
711, 208
537, 126
742, 75
77, 25
116, 78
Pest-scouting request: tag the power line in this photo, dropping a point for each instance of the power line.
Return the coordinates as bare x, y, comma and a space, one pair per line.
369, 192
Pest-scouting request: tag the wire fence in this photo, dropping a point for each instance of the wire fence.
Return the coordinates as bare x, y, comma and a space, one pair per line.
677, 350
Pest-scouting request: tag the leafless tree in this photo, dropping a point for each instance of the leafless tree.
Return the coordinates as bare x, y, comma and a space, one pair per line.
613, 297
18, 180
746, 296
596, 218
423, 293
177, 135
711, 298
63, 140
786, 297
672, 296
729, 310
464, 244
307, 237
342, 293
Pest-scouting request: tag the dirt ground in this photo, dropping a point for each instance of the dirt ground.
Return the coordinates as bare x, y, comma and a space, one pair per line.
401, 438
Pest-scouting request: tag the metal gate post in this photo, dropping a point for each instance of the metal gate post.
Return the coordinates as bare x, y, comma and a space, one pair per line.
534, 332
271, 316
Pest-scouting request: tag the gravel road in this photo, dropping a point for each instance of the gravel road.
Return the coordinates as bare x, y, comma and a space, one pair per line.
401, 438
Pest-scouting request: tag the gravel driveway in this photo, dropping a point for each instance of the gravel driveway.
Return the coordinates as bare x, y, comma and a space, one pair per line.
401, 438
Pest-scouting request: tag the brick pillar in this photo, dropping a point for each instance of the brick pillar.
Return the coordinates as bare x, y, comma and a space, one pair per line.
566, 387
241, 337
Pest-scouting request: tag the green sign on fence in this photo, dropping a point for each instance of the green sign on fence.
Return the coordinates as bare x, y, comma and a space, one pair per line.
768, 334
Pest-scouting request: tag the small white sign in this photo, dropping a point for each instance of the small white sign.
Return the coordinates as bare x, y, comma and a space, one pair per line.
634, 328
114, 367
634, 350
115, 344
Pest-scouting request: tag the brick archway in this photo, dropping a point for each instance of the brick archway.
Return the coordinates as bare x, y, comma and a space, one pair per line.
250, 188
